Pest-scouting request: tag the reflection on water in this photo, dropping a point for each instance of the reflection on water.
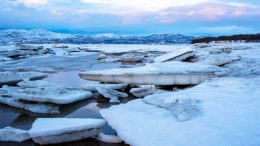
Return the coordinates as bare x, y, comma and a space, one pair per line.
83, 109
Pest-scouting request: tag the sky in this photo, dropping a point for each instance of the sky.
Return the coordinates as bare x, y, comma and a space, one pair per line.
189, 17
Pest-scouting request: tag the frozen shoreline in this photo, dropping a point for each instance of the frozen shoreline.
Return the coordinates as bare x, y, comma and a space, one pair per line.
240, 61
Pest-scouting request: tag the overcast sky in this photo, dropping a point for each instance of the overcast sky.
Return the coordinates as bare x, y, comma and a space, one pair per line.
190, 17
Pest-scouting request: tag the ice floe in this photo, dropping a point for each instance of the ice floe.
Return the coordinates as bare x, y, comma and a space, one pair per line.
41, 108
39, 91
177, 55
229, 116
218, 59
59, 130
10, 78
13, 134
111, 94
167, 73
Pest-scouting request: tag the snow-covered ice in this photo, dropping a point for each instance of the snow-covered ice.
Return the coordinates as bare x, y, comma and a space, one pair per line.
111, 94
41, 108
59, 130
167, 73
13, 134
7, 78
178, 55
229, 116
42, 91
218, 59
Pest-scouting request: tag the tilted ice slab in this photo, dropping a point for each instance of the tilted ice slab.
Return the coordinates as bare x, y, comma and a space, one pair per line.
108, 138
40, 108
47, 92
230, 116
132, 58
177, 55
168, 73
92, 85
111, 94
144, 91
3, 58
13, 134
59, 130
7, 78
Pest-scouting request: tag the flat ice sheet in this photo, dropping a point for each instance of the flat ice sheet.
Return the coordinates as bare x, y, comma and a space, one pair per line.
230, 116
172, 67
168, 73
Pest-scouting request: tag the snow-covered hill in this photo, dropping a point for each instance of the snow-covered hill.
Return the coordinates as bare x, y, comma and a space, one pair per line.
12, 36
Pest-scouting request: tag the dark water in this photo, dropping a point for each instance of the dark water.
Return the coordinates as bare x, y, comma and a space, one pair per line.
89, 108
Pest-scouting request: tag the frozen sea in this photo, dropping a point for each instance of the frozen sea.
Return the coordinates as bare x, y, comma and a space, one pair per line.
68, 68
64, 67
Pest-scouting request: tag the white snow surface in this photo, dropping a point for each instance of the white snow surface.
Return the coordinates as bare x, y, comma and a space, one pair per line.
57, 126
175, 55
13, 134
230, 116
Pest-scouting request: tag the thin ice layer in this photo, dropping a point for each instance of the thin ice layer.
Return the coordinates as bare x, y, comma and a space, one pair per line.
56, 126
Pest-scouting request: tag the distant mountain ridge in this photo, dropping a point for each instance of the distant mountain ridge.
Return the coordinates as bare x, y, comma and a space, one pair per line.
38, 36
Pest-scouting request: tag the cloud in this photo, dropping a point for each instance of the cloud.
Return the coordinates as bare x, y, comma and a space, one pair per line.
176, 16
226, 29
33, 2
149, 5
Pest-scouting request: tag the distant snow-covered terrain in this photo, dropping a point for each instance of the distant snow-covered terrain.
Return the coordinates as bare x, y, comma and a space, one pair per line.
12, 36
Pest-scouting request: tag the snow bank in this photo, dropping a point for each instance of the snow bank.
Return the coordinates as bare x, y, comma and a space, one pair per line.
168, 73
230, 116
13, 134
